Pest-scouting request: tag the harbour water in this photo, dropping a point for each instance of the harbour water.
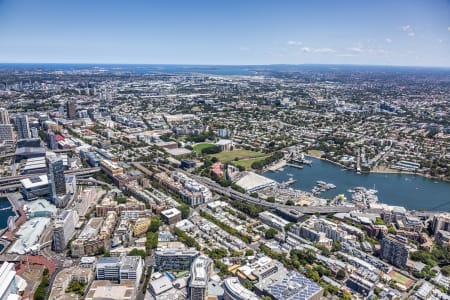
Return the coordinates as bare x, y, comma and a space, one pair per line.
5, 212
411, 191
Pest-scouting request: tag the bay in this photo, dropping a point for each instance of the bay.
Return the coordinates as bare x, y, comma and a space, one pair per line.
410, 191
5, 212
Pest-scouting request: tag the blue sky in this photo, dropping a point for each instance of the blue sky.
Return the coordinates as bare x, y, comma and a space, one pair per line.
377, 32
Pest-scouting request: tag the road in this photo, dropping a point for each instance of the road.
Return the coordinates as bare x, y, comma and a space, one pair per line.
235, 195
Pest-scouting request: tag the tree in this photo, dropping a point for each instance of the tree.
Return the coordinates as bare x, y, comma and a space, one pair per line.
270, 233
290, 202
185, 210
137, 252
340, 274
154, 225
271, 199
288, 226
445, 270
254, 195
249, 252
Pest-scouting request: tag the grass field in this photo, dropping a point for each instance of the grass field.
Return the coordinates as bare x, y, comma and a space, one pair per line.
199, 147
240, 154
399, 278
246, 163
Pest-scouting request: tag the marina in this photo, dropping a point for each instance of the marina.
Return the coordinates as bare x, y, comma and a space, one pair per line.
411, 191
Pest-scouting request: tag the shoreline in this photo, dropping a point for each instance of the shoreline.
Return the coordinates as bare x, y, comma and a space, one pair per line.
384, 172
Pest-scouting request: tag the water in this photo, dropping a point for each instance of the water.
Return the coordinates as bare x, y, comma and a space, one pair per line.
5, 212
411, 191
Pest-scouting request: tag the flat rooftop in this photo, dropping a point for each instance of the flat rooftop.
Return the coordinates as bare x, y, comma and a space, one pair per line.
29, 234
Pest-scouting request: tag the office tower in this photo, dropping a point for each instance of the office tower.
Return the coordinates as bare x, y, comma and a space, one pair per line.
4, 116
200, 271
6, 133
23, 127
71, 109
64, 229
395, 249
56, 180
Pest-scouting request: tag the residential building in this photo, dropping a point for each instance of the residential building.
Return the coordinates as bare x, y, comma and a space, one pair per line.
23, 127
71, 109
441, 222
64, 228
4, 116
233, 290
6, 133
200, 272
171, 216
57, 182
395, 249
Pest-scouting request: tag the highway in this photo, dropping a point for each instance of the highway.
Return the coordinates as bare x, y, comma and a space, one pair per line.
235, 195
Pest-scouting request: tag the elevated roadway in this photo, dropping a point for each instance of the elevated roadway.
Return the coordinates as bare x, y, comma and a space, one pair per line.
9, 180
235, 195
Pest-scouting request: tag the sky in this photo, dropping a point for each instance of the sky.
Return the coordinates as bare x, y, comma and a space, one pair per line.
227, 32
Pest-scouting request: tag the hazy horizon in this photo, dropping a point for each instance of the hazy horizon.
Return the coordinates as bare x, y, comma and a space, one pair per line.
381, 33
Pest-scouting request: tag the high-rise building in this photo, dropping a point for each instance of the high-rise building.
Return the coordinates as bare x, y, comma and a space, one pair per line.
64, 229
395, 249
4, 116
23, 127
441, 222
56, 180
6, 133
71, 109
51, 141
200, 272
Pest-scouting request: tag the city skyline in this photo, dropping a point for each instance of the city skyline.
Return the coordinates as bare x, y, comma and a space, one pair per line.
406, 33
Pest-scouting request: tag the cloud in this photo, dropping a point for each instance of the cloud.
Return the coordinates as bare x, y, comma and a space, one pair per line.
306, 49
406, 28
318, 50
388, 40
448, 28
409, 30
295, 43
355, 49
324, 50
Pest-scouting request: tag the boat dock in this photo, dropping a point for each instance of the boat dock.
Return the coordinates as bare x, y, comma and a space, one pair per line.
294, 165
